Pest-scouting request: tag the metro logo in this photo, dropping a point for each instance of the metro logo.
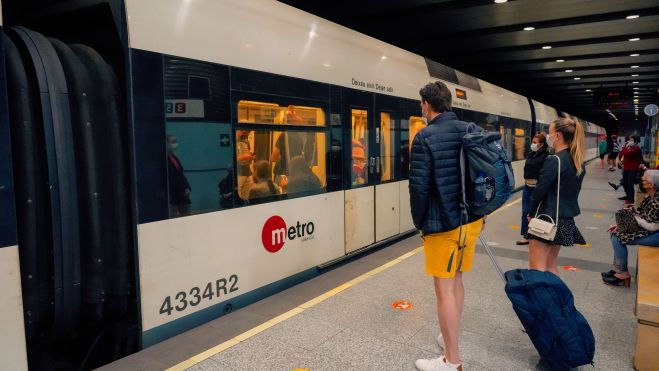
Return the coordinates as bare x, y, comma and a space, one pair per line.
275, 233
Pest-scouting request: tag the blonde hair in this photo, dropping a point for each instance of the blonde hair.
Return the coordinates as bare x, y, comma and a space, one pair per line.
574, 137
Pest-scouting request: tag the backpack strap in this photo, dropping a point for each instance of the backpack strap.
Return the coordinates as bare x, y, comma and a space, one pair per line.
464, 215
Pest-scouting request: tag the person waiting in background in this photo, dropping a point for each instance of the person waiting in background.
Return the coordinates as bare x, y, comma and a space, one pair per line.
245, 157
179, 188
639, 227
613, 152
287, 146
302, 179
263, 178
631, 158
603, 146
532, 168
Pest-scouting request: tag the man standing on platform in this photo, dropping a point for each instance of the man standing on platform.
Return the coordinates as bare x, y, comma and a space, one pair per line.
435, 197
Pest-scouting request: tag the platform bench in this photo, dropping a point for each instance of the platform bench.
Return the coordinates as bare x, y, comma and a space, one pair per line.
646, 356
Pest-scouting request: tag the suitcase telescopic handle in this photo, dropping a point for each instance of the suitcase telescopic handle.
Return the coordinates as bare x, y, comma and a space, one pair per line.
497, 267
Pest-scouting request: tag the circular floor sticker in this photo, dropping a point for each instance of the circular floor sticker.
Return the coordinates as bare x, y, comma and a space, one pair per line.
402, 305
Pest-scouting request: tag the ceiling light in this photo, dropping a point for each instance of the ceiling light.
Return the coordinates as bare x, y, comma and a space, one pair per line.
633, 16
500, 1
634, 82
384, 57
634, 75
577, 78
560, 60
327, 65
634, 55
588, 90
546, 47
635, 39
568, 71
529, 28
312, 34
634, 66
635, 88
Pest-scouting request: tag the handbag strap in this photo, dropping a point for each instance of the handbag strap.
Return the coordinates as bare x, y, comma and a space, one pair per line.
558, 191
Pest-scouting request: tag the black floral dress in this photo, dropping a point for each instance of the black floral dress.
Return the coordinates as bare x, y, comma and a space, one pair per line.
648, 211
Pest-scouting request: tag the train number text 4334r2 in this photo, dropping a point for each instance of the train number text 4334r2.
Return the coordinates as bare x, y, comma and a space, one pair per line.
194, 296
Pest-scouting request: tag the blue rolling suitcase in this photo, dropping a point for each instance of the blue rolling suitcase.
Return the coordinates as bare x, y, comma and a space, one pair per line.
545, 306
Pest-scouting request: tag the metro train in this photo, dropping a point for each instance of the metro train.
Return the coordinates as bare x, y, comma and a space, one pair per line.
165, 162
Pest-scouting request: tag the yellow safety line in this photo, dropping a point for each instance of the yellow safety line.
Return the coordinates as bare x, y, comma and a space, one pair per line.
299, 309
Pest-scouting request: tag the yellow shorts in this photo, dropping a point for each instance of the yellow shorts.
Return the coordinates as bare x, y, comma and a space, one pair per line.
443, 255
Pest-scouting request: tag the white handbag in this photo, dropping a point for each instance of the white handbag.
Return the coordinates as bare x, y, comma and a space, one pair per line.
542, 228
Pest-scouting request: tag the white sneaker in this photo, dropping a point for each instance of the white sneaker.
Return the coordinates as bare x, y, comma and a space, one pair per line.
435, 364
440, 342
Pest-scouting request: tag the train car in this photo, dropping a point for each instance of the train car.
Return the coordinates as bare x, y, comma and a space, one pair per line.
545, 114
187, 158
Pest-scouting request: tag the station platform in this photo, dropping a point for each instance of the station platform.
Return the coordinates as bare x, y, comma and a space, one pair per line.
344, 319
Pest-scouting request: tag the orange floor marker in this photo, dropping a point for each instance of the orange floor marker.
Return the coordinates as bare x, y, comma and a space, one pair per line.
570, 268
515, 227
402, 305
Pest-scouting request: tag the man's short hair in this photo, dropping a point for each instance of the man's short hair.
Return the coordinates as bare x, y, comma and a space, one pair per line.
438, 95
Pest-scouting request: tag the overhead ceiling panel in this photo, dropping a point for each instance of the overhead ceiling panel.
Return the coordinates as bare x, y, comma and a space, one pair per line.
487, 40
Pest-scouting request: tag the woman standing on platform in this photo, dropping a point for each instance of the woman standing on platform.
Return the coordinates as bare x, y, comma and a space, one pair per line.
567, 139
532, 168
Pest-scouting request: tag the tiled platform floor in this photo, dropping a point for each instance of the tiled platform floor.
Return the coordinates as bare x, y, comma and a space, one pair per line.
358, 330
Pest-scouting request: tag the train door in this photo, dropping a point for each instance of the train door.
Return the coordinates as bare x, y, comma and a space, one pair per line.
361, 174
387, 190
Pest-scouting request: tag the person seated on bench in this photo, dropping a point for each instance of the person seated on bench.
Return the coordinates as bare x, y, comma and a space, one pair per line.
634, 227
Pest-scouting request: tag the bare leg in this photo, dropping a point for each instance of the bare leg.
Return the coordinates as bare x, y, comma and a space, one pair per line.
450, 294
538, 255
552, 261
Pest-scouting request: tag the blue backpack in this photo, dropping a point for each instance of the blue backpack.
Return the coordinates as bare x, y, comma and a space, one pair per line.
486, 170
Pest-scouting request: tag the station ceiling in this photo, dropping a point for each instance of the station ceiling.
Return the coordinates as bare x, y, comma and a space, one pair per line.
596, 45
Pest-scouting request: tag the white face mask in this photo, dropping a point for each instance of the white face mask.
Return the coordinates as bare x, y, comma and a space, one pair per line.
172, 146
535, 147
550, 141
631, 142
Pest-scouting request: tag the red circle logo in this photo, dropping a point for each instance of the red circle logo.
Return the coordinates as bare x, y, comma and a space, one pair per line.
273, 235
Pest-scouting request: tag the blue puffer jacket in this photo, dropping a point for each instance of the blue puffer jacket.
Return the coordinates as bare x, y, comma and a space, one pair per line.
435, 187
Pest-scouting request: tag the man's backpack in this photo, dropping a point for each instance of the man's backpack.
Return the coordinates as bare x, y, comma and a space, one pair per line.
487, 174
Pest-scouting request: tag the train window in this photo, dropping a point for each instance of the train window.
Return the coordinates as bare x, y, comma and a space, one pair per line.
387, 150
272, 163
520, 144
360, 148
416, 124
251, 112
199, 167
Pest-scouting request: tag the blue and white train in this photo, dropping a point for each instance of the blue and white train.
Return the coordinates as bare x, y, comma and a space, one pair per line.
165, 162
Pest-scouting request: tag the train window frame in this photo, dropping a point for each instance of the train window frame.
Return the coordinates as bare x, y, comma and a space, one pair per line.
393, 132
350, 148
324, 106
280, 130
408, 107
280, 102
